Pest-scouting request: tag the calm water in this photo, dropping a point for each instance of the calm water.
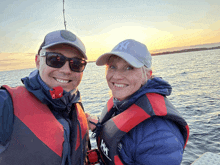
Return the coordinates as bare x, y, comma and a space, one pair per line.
195, 78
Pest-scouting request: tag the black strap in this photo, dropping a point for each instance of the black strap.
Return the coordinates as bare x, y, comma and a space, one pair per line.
97, 130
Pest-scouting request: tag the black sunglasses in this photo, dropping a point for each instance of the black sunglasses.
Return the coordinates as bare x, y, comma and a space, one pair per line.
57, 60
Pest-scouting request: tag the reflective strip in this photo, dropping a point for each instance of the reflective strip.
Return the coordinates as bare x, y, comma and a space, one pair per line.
117, 160
187, 129
158, 104
133, 115
83, 124
110, 104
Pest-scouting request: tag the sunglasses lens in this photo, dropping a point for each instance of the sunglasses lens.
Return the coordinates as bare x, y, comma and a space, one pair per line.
55, 60
77, 65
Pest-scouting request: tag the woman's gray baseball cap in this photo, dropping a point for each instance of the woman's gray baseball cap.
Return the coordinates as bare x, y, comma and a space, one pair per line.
63, 37
133, 52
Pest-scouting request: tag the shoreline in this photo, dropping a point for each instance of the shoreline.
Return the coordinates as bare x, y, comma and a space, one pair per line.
184, 50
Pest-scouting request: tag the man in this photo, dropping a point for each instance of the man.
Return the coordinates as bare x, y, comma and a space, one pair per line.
43, 122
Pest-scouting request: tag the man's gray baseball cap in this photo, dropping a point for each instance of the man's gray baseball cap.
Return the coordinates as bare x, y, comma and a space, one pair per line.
63, 37
133, 52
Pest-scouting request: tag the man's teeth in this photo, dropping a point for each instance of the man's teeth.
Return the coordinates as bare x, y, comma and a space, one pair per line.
119, 85
62, 81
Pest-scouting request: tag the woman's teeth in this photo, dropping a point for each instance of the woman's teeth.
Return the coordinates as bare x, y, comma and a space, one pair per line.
119, 85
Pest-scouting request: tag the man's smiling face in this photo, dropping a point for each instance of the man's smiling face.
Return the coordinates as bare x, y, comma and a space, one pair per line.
63, 76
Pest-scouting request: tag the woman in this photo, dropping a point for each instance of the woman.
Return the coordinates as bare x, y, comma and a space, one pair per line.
138, 125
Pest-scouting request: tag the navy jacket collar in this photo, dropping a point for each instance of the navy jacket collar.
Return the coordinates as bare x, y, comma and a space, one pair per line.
35, 85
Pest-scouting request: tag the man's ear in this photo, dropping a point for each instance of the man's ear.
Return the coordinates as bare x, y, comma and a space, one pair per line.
37, 61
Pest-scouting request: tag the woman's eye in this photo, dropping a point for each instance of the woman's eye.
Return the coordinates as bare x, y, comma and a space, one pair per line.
129, 68
111, 67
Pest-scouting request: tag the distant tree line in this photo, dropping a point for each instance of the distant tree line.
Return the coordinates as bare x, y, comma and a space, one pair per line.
185, 50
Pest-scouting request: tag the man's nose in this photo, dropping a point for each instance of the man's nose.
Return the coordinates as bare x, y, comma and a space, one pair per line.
66, 68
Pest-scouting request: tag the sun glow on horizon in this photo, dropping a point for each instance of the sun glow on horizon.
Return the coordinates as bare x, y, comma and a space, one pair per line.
12, 61
112, 35
154, 39
109, 36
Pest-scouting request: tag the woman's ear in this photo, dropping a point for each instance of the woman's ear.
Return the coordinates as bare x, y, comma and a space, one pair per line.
149, 74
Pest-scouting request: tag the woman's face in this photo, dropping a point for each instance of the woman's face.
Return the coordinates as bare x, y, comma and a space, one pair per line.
122, 78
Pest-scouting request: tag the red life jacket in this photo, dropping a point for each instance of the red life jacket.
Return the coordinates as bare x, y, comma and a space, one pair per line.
38, 137
116, 127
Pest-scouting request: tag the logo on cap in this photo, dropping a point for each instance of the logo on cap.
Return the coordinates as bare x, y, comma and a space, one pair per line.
122, 45
68, 35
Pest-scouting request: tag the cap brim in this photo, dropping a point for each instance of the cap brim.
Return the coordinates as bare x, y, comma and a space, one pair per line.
103, 59
68, 43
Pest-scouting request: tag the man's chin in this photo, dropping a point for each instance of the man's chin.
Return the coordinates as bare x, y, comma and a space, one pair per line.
68, 89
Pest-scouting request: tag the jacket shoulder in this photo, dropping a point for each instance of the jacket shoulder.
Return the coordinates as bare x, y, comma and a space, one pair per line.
154, 141
6, 116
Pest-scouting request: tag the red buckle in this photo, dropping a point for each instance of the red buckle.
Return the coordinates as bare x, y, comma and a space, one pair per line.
57, 92
93, 156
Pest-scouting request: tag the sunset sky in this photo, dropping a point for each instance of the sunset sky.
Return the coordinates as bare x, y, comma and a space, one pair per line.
101, 24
